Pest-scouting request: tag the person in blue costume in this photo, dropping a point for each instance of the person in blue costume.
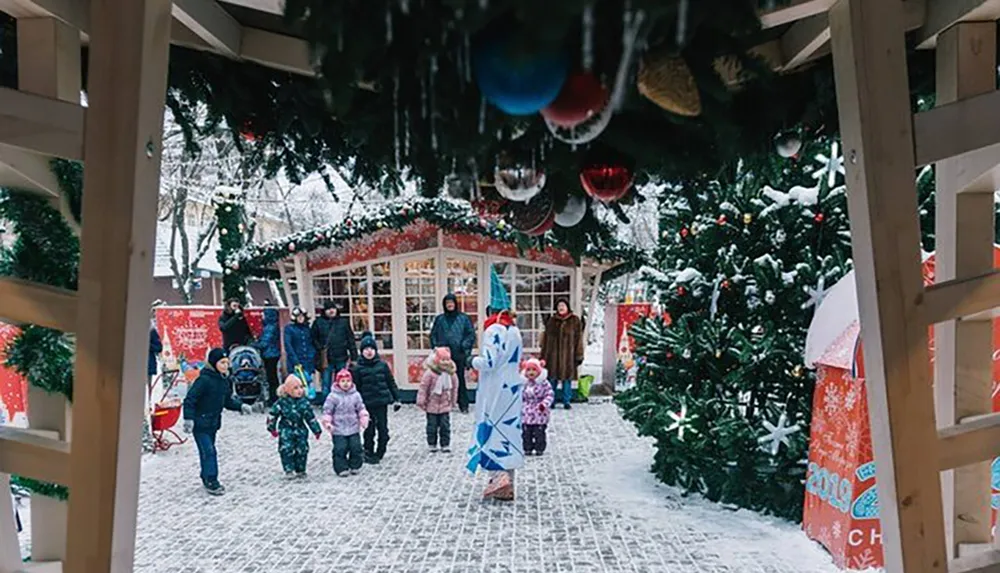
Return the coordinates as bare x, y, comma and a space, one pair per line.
498, 444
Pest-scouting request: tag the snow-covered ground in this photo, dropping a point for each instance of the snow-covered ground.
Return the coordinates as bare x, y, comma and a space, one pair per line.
589, 505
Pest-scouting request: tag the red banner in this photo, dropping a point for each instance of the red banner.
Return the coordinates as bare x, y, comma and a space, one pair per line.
13, 388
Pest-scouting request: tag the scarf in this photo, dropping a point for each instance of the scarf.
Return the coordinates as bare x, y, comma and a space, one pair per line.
444, 372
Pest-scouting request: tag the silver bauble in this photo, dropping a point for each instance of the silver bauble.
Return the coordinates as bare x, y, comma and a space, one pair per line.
573, 212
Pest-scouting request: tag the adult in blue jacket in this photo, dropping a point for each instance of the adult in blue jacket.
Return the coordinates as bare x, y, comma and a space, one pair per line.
453, 329
203, 405
299, 348
269, 345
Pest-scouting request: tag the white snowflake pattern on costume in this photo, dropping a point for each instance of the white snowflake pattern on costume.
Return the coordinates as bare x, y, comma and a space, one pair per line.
851, 397
837, 530
832, 402
864, 561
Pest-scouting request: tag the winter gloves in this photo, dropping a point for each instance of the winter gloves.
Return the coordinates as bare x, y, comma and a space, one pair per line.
365, 419
396, 406
246, 410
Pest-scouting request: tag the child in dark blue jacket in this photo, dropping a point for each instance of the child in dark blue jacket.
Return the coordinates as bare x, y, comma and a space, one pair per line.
203, 405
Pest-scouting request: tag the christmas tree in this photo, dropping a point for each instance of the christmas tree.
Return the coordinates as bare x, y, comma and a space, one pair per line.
744, 259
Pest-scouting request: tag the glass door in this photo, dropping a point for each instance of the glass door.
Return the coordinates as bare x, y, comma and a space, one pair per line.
420, 303
462, 278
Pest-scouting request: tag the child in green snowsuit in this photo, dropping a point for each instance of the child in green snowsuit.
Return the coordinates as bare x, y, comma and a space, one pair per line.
290, 420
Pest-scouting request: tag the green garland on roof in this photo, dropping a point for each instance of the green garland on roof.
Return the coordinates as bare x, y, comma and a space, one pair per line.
592, 241
45, 251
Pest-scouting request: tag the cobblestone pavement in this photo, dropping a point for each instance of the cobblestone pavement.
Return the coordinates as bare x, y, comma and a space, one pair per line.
589, 505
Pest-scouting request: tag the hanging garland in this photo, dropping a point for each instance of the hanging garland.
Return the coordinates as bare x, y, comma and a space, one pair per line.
596, 243
45, 251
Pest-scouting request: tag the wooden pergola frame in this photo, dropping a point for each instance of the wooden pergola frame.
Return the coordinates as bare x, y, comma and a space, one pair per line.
932, 441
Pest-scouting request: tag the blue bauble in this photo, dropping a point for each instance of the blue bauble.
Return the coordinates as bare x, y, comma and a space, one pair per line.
517, 82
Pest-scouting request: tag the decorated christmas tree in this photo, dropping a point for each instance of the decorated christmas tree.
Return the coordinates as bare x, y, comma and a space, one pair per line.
744, 259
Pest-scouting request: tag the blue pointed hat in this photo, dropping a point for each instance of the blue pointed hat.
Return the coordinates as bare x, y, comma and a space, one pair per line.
498, 294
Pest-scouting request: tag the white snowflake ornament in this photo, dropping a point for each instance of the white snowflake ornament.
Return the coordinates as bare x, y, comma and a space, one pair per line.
816, 295
777, 434
830, 165
682, 422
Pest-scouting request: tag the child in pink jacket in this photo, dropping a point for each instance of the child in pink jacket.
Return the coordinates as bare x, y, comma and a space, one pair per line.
436, 396
537, 406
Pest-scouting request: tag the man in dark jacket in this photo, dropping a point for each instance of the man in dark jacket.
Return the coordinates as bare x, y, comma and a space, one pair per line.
269, 345
203, 405
234, 327
453, 329
334, 341
377, 387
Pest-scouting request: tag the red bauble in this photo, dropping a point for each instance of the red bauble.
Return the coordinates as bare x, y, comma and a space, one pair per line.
606, 182
684, 233
581, 97
534, 218
681, 291
725, 283
721, 220
545, 227
247, 131
819, 217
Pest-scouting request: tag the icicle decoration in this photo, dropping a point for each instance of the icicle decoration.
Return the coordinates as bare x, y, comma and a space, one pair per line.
406, 134
468, 58
388, 24
682, 22
395, 114
714, 306
628, 55
482, 115
423, 98
588, 36
433, 111
404, 6
340, 37
484, 4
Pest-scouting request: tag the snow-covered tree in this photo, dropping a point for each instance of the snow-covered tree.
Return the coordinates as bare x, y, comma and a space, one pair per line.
742, 262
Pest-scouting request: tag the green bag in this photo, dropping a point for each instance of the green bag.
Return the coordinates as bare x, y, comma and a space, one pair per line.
583, 386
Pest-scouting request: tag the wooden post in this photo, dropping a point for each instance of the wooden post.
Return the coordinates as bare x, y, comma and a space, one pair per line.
49, 65
966, 67
129, 42
869, 57
306, 300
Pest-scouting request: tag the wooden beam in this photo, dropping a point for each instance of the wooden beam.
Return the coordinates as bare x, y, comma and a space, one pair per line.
794, 11
206, 26
129, 50
24, 302
943, 14
957, 128
982, 562
809, 39
804, 39
969, 442
41, 124
966, 67
869, 56
30, 455
210, 22
960, 298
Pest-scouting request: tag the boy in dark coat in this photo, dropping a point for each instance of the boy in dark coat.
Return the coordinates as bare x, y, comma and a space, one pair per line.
269, 345
378, 389
233, 325
203, 405
453, 330
334, 340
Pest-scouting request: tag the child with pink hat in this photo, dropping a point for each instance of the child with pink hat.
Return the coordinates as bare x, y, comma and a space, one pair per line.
537, 405
436, 396
345, 416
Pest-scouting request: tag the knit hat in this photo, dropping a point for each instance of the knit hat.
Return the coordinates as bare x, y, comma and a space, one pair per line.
534, 364
327, 305
343, 374
298, 311
214, 356
368, 341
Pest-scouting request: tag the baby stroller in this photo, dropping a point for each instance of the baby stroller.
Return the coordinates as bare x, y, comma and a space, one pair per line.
247, 372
